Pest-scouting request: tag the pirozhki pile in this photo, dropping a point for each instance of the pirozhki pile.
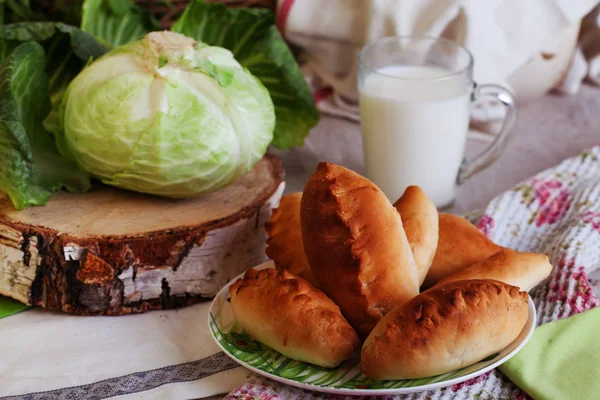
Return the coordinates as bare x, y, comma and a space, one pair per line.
426, 292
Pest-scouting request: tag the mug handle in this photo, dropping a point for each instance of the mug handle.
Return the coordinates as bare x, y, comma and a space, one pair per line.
489, 155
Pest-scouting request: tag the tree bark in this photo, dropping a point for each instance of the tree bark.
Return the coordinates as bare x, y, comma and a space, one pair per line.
115, 252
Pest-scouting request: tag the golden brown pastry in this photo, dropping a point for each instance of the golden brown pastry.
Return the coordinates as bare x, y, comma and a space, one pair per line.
460, 244
284, 245
356, 246
524, 270
443, 329
291, 316
420, 220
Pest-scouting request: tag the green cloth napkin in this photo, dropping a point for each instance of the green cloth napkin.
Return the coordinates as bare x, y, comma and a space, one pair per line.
561, 360
9, 306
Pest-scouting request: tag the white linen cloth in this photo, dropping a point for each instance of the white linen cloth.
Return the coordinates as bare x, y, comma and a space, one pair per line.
158, 355
586, 60
502, 35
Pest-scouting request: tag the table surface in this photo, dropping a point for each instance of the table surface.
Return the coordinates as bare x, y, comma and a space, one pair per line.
548, 130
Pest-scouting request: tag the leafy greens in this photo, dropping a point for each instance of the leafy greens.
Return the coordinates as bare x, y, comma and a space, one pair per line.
39, 59
115, 22
31, 167
256, 43
67, 48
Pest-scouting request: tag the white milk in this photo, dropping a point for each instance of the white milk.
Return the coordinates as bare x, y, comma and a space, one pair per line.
414, 129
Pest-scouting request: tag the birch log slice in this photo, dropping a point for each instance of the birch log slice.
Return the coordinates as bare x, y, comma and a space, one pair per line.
114, 252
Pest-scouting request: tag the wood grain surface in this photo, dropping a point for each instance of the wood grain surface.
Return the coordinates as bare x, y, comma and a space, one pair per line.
115, 252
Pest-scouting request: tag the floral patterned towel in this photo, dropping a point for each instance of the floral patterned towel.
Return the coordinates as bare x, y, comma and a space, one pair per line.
557, 212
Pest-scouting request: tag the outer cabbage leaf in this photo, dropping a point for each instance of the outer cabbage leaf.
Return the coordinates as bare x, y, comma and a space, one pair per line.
251, 35
83, 44
31, 169
115, 22
68, 49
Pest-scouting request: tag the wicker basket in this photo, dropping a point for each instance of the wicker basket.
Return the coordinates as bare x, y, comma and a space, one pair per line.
167, 12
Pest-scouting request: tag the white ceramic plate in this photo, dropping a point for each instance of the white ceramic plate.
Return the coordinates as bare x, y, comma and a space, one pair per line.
344, 379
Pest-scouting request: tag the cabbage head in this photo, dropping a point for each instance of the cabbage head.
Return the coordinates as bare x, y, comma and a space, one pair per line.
166, 115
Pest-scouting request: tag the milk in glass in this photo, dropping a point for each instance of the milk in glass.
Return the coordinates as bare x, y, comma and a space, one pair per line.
414, 121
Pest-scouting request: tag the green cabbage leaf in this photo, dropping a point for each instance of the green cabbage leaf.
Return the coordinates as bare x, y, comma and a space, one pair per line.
39, 59
31, 168
253, 38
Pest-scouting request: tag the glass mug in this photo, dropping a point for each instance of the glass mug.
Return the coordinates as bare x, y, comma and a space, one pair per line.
415, 103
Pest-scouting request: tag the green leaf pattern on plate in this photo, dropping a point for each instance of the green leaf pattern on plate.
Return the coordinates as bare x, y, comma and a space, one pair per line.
253, 353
